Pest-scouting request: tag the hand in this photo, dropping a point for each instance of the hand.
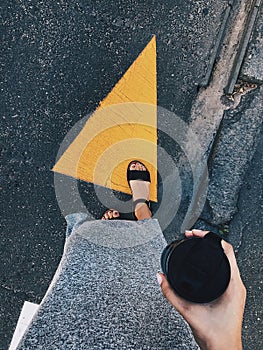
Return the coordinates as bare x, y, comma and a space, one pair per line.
216, 325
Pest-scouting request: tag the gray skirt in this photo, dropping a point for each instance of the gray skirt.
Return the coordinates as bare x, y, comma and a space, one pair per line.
105, 295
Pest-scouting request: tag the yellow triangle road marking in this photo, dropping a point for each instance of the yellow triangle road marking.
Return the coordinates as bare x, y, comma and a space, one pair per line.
122, 128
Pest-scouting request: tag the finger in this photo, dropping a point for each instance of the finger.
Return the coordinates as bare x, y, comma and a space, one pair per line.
235, 273
196, 233
229, 251
199, 233
228, 248
169, 294
188, 233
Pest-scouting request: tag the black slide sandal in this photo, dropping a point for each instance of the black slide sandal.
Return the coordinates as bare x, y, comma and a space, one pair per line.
142, 175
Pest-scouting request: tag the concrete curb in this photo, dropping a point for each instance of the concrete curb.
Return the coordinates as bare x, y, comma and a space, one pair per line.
218, 43
243, 47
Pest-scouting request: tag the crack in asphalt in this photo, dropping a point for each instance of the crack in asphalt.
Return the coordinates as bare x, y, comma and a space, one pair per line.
20, 291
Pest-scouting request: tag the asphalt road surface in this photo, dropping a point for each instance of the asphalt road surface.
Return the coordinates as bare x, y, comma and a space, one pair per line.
59, 59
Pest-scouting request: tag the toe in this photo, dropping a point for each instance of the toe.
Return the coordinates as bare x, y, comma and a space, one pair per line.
115, 214
137, 166
110, 214
133, 166
140, 166
105, 216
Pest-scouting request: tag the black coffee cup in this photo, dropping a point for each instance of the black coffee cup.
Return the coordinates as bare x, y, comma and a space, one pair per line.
197, 269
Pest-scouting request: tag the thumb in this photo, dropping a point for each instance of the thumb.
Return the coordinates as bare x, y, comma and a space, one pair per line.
169, 294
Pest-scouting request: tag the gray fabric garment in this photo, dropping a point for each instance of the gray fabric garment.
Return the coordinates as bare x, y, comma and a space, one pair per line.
105, 295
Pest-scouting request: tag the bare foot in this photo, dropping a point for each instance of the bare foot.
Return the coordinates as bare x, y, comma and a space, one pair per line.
110, 214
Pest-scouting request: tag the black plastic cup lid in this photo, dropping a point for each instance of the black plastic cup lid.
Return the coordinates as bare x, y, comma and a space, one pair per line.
197, 268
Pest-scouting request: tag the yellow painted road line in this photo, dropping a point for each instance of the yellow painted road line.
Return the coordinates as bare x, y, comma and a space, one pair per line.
122, 128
